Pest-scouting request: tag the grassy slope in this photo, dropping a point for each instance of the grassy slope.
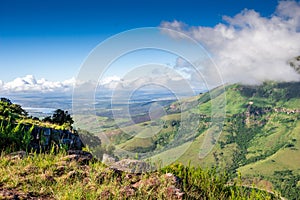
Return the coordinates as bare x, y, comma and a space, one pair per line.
48, 176
284, 159
276, 131
273, 146
266, 151
191, 155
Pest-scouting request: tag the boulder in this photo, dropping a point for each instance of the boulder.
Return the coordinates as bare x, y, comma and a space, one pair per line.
82, 157
132, 166
17, 155
108, 159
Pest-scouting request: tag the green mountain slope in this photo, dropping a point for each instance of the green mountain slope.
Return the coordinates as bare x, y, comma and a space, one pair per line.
260, 137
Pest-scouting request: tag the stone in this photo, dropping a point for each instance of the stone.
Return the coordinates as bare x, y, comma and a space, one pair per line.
174, 179
132, 166
17, 155
174, 193
108, 159
82, 157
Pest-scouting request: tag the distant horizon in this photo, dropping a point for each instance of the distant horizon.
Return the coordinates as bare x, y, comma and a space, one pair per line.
41, 105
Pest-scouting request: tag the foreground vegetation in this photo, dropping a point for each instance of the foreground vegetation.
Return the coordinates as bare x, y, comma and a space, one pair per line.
50, 176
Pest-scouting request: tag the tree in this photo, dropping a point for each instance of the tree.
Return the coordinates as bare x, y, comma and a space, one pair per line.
6, 100
7, 108
47, 119
60, 117
15, 108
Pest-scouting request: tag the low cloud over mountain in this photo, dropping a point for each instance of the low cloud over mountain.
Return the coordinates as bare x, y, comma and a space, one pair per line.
248, 47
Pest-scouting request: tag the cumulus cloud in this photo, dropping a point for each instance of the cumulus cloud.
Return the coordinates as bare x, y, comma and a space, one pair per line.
110, 82
30, 84
151, 77
147, 77
249, 48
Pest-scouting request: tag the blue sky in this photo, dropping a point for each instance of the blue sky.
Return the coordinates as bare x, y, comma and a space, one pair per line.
51, 39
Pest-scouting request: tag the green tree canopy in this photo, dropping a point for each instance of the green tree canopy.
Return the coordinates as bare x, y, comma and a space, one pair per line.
60, 117
7, 108
6, 100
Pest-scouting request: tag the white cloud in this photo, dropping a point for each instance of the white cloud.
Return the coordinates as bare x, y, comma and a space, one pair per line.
145, 78
151, 77
249, 48
110, 82
30, 84
109, 79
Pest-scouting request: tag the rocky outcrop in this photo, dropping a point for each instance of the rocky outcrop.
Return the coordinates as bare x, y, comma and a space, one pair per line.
43, 138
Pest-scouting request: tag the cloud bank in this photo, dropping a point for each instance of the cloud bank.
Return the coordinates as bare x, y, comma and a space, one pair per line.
147, 78
249, 48
152, 76
29, 84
